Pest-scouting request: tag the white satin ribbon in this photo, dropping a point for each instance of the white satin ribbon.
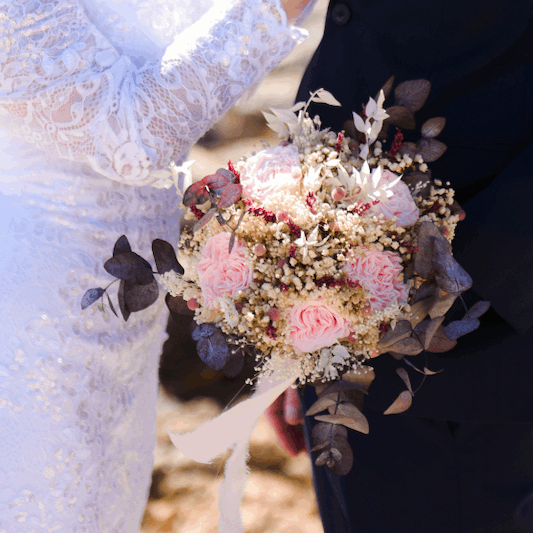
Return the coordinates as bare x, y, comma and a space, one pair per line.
233, 429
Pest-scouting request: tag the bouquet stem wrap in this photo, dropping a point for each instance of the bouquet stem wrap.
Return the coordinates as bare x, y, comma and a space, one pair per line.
233, 429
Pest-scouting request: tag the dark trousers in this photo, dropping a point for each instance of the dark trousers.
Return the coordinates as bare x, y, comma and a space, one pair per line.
418, 475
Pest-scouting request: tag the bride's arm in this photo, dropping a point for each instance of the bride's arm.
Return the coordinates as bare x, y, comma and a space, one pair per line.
74, 95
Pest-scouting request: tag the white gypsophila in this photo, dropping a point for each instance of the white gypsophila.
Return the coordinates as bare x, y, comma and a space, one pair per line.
173, 283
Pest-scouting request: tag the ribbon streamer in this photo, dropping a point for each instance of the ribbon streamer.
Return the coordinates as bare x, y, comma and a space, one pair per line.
233, 429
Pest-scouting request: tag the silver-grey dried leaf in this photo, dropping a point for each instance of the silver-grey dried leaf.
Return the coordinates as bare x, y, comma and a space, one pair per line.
343, 386
427, 289
409, 346
440, 342
402, 330
323, 432
429, 372
423, 258
431, 329
430, 149
401, 404
363, 380
449, 274
478, 309
396, 355
405, 378
351, 411
412, 94
420, 310
458, 328
408, 148
433, 127
344, 458
320, 405
443, 305
322, 458
319, 447
400, 116
340, 420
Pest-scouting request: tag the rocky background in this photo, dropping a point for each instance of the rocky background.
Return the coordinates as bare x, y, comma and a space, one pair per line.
279, 495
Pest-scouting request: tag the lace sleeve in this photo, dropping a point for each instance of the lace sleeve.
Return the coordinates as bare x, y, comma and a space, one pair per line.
69, 91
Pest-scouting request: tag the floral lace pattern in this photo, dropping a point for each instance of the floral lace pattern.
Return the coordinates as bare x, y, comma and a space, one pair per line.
78, 105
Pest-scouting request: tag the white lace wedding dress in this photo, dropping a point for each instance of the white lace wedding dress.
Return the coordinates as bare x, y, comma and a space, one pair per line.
96, 97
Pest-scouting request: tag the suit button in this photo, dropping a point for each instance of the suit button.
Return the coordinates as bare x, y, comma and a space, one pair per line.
341, 14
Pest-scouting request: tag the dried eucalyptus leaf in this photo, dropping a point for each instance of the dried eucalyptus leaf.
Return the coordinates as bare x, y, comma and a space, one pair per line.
440, 343
225, 172
122, 245
412, 94
408, 346
405, 378
176, 304
231, 195
111, 306
400, 116
325, 444
91, 296
165, 257
478, 309
443, 305
231, 242
387, 88
344, 420
396, 355
205, 219
402, 330
196, 194
343, 458
408, 148
351, 411
429, 372
363, 380
449, 274
431, 329
322, 458
420, 310
432, 127
130, 266
344, 386
320, 405
423, 258
217, 182
139, 297
121, 302
458, 328
430, 149
426, 290
323, 432
401, 404
211, 346
234, 364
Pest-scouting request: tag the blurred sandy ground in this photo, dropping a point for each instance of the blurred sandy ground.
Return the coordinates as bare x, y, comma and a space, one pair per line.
279, 496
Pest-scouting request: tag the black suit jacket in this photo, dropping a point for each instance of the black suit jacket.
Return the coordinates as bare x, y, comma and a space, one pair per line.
477, 56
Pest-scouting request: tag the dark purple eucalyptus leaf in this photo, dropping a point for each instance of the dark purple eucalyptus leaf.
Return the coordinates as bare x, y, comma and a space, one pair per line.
122, 245
205, 219
449, 274
412, 94
478, 309
458, 328
225, 172
111, 306
91, 296
216, 183
138, 297
340, 456
408, 346
165, 257
121, 301
430, 149
131, 267
195, 194
432, 127
426, 290
423, 258
231, 195
402, 330
176, 304
400, 116
211, 346
408, 148
234, 364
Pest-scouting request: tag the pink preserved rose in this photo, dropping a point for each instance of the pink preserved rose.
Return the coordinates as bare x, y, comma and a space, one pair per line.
271, 171
220, 273
379, 274
315, 325
400, 205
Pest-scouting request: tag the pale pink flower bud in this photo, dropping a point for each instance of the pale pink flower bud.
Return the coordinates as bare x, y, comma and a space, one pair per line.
274, 314
259, 249
282, 216
338, 194
192, 304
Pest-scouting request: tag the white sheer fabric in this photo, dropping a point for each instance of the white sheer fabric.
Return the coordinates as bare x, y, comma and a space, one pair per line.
96, 97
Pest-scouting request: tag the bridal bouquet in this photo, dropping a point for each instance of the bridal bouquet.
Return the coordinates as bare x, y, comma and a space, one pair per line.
312, 257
